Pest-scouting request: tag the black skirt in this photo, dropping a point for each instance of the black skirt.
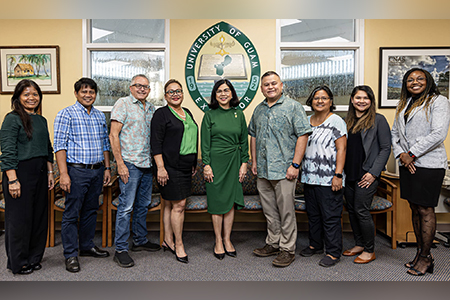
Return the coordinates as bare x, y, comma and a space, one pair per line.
422, 188
178, 187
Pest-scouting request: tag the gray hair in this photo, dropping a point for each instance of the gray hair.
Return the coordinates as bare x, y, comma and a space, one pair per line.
136, 76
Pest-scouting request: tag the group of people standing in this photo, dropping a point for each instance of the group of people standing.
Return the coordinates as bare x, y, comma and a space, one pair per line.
338, 159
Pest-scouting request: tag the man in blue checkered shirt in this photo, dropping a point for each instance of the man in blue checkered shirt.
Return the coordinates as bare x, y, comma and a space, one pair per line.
82, 153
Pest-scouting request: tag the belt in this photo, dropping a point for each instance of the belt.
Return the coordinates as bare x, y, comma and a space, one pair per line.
83, 166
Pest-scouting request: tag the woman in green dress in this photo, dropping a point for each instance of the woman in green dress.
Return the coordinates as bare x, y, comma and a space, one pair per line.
224, 145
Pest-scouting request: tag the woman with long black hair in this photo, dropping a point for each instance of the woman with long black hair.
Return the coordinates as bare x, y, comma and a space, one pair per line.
420, 128
26, 162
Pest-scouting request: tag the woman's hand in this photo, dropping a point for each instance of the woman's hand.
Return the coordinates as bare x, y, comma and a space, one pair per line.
14, 189
208, 173
162, 176
194, 171
408, 162
51, 181
336, 184
242, 172
366, 180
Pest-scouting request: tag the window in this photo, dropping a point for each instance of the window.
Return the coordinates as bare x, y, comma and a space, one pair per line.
116, 50
316, 52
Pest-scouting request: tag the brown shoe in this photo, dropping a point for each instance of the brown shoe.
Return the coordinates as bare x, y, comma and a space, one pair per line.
351, 253
359, 260
283, 259
267, 250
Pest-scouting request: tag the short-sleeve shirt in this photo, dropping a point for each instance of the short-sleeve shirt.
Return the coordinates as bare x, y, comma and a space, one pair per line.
135, 134
83, 135
276, 130
319, 161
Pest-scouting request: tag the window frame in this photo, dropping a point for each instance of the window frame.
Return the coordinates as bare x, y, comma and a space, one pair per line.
357, 46
88, 47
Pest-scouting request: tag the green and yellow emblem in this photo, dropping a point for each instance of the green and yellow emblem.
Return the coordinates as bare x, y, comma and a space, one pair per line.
222, 51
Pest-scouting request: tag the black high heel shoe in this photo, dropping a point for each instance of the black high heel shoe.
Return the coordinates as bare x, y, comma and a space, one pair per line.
411, 264
429, 269
166, 247
218, 255
183, 259
230, 253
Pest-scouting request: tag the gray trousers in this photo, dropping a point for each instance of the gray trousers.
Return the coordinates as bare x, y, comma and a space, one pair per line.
277, 200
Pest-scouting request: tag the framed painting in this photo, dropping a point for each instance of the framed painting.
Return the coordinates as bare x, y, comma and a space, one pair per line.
37, 63
395, 62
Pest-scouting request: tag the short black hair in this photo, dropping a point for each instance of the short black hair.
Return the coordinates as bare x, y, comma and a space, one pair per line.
321, 88
234, 99
84, 82
269, 73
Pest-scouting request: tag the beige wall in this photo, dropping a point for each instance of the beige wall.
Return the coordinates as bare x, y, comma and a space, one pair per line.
67, 34
400, 33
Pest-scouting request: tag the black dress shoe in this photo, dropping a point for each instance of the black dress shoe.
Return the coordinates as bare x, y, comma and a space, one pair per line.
25, 270
36, 267
230, 253
72, 264
95, 252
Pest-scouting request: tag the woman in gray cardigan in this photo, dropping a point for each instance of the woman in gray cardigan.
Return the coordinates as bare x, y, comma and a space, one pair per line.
420, 128
368, 149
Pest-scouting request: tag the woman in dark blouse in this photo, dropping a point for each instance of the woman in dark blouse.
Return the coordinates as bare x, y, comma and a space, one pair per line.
26, 162
368, 149
174, 136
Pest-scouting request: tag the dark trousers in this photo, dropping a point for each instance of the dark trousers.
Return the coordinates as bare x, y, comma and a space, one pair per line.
324, 209
26, 217
82, 202
358, 202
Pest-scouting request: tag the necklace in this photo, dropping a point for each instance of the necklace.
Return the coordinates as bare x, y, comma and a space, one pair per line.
183, 116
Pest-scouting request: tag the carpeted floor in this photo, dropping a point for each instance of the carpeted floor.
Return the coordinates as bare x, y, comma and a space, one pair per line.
203, 266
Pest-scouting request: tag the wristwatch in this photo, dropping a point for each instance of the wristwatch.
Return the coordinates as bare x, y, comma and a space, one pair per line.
338, 175
295, 165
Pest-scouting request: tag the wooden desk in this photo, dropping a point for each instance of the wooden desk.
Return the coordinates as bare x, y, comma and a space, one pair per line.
405, 230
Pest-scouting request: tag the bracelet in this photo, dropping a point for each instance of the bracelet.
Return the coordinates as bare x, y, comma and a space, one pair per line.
411, 155
50, 172
13, 181
107, 168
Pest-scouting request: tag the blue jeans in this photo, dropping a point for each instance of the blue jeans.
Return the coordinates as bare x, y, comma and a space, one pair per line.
137, 191
82, 202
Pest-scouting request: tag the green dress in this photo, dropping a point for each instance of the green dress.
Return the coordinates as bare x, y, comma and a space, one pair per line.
224, 147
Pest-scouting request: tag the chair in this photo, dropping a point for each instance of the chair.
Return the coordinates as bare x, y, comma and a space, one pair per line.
112, 193
2, 209
57, 202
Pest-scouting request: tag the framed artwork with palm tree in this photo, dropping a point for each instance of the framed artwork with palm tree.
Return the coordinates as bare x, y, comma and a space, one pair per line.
38, 63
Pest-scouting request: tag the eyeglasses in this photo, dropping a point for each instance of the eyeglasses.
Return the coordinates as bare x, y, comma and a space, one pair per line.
173, 92
321, 98
141, 86
411, 80
225, 91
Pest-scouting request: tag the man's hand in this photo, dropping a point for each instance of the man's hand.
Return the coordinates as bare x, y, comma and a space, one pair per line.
64, 182
291, 173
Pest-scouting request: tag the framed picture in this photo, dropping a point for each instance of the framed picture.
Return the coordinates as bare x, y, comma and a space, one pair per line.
395, 62
38, 63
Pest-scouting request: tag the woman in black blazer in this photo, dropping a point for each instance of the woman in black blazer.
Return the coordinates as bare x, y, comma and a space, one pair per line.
368, 149
174, 136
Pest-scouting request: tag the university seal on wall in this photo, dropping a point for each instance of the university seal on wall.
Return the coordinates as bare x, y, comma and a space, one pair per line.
222, 51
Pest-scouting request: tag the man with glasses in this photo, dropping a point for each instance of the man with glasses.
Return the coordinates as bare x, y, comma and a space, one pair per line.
278, 133
130, 142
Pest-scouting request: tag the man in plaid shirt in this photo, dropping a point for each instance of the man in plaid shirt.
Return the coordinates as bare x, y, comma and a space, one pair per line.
82, 153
